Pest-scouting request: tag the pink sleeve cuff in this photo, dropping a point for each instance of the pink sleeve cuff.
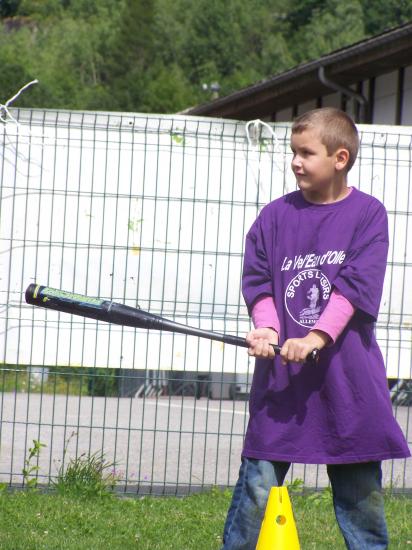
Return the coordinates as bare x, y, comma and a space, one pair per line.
335, 316
264, 314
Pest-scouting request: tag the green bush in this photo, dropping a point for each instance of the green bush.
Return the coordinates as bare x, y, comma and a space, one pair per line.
60, 380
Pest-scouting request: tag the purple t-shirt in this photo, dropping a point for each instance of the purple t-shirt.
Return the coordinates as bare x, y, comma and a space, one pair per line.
337, 411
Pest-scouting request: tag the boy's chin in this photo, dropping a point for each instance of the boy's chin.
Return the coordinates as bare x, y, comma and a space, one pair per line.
304, 185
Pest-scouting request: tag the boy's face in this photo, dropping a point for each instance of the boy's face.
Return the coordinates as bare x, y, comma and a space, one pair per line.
316, 172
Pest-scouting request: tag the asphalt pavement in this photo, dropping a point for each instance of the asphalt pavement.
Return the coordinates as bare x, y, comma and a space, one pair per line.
157, 444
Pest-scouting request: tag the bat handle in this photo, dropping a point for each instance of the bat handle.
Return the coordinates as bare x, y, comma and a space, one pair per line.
313, 356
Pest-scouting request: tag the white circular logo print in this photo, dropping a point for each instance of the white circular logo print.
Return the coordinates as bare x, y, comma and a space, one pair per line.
306, 296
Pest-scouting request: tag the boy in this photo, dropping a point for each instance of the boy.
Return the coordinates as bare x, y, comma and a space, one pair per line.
312, 278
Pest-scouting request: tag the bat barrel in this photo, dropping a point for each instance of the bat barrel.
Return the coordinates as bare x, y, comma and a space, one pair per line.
67, 302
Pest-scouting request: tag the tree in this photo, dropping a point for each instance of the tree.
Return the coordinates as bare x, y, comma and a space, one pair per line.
15, 62
301, 11
335, 25
40, 9
133, 45
167, 90
234, 43
383, 15
65, 54
214, 41
8, 8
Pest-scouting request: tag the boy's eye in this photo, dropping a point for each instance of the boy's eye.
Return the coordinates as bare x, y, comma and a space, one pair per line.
302, 152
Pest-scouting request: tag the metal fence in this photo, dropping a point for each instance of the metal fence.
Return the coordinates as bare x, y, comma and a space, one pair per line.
152, 210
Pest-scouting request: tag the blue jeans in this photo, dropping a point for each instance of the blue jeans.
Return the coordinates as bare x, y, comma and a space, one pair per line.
357, 500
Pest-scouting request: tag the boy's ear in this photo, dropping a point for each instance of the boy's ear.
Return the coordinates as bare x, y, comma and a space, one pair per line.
342, 159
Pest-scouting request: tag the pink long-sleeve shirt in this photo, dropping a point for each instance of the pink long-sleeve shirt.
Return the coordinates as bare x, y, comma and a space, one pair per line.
333, 320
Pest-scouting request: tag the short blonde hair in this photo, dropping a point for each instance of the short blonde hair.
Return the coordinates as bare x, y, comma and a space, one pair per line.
336, 129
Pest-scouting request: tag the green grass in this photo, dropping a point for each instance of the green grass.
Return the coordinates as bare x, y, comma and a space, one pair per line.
34, 521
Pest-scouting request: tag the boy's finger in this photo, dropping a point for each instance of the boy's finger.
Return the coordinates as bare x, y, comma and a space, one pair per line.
249, 337
269, 351
284, 353
292, 356
263, 348
258, 347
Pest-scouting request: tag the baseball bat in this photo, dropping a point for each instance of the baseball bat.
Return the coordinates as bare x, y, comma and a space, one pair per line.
120, 314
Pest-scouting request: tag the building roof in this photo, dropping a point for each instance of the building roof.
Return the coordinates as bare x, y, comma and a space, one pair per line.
347, 66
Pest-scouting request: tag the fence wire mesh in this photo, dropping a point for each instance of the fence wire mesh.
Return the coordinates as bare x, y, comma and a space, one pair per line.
152, 210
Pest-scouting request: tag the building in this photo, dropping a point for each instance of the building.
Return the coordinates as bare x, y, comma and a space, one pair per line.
371, 80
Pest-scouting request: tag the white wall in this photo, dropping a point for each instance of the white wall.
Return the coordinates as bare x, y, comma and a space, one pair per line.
384, 108
407, 98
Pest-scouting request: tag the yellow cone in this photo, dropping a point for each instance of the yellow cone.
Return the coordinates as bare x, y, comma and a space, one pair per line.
278, 530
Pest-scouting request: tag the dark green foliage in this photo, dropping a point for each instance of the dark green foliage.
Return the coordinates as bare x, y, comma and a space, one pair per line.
8, 8
102, 382
161, 56
333, 25
384, 15
301, 11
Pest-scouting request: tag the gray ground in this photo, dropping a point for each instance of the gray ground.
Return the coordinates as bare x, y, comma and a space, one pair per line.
157, 443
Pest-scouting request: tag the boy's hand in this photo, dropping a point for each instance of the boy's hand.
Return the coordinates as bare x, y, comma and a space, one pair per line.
297, 349
260, 340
